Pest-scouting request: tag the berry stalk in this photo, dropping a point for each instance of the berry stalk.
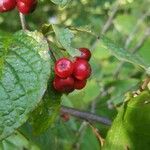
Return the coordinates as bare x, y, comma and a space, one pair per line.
23, 21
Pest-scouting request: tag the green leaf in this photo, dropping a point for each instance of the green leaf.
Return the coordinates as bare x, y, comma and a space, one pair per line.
125, 23
60, 136
83, 29
121, 87
17, 142
148, 71
57, 52
131, 128
123, 54
45, 115
46, 28
64, 36
25, 72
61, 2
82, 98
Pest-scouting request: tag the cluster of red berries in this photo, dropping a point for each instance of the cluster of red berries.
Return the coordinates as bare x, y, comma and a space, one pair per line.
72, 75
24, 6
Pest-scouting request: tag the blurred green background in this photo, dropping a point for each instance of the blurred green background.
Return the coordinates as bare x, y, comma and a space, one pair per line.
129, 27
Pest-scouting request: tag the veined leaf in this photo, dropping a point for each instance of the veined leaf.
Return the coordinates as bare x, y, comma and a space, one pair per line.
25, 70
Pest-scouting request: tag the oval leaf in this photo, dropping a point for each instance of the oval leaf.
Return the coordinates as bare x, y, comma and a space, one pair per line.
25, 70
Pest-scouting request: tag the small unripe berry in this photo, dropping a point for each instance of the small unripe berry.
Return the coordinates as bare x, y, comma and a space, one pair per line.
26, 6
79, 84
82, 69
85, 54
7, 5
65, 116
63, 68
64, 85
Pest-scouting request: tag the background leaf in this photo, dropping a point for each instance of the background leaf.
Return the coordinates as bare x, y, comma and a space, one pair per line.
47, 112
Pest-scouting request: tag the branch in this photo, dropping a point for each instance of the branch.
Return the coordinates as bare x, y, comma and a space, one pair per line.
23, 21
85, 115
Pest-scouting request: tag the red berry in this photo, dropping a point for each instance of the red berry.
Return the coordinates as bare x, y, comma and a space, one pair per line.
7, 5
63, 68
65, 116
85, 54
64, 85
79, 84
82, 69
26, 6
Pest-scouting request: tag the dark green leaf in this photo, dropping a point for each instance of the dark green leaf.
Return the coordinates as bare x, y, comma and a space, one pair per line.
46, 28
45, 115
25, 67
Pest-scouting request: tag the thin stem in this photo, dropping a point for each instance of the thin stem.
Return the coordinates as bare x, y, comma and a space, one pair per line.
97, 134
23, 21
85, 115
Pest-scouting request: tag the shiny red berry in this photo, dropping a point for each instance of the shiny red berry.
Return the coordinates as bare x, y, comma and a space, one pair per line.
79, 84
64, 85
85, 54
63, 68
82, 69
7, 5
26, 6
